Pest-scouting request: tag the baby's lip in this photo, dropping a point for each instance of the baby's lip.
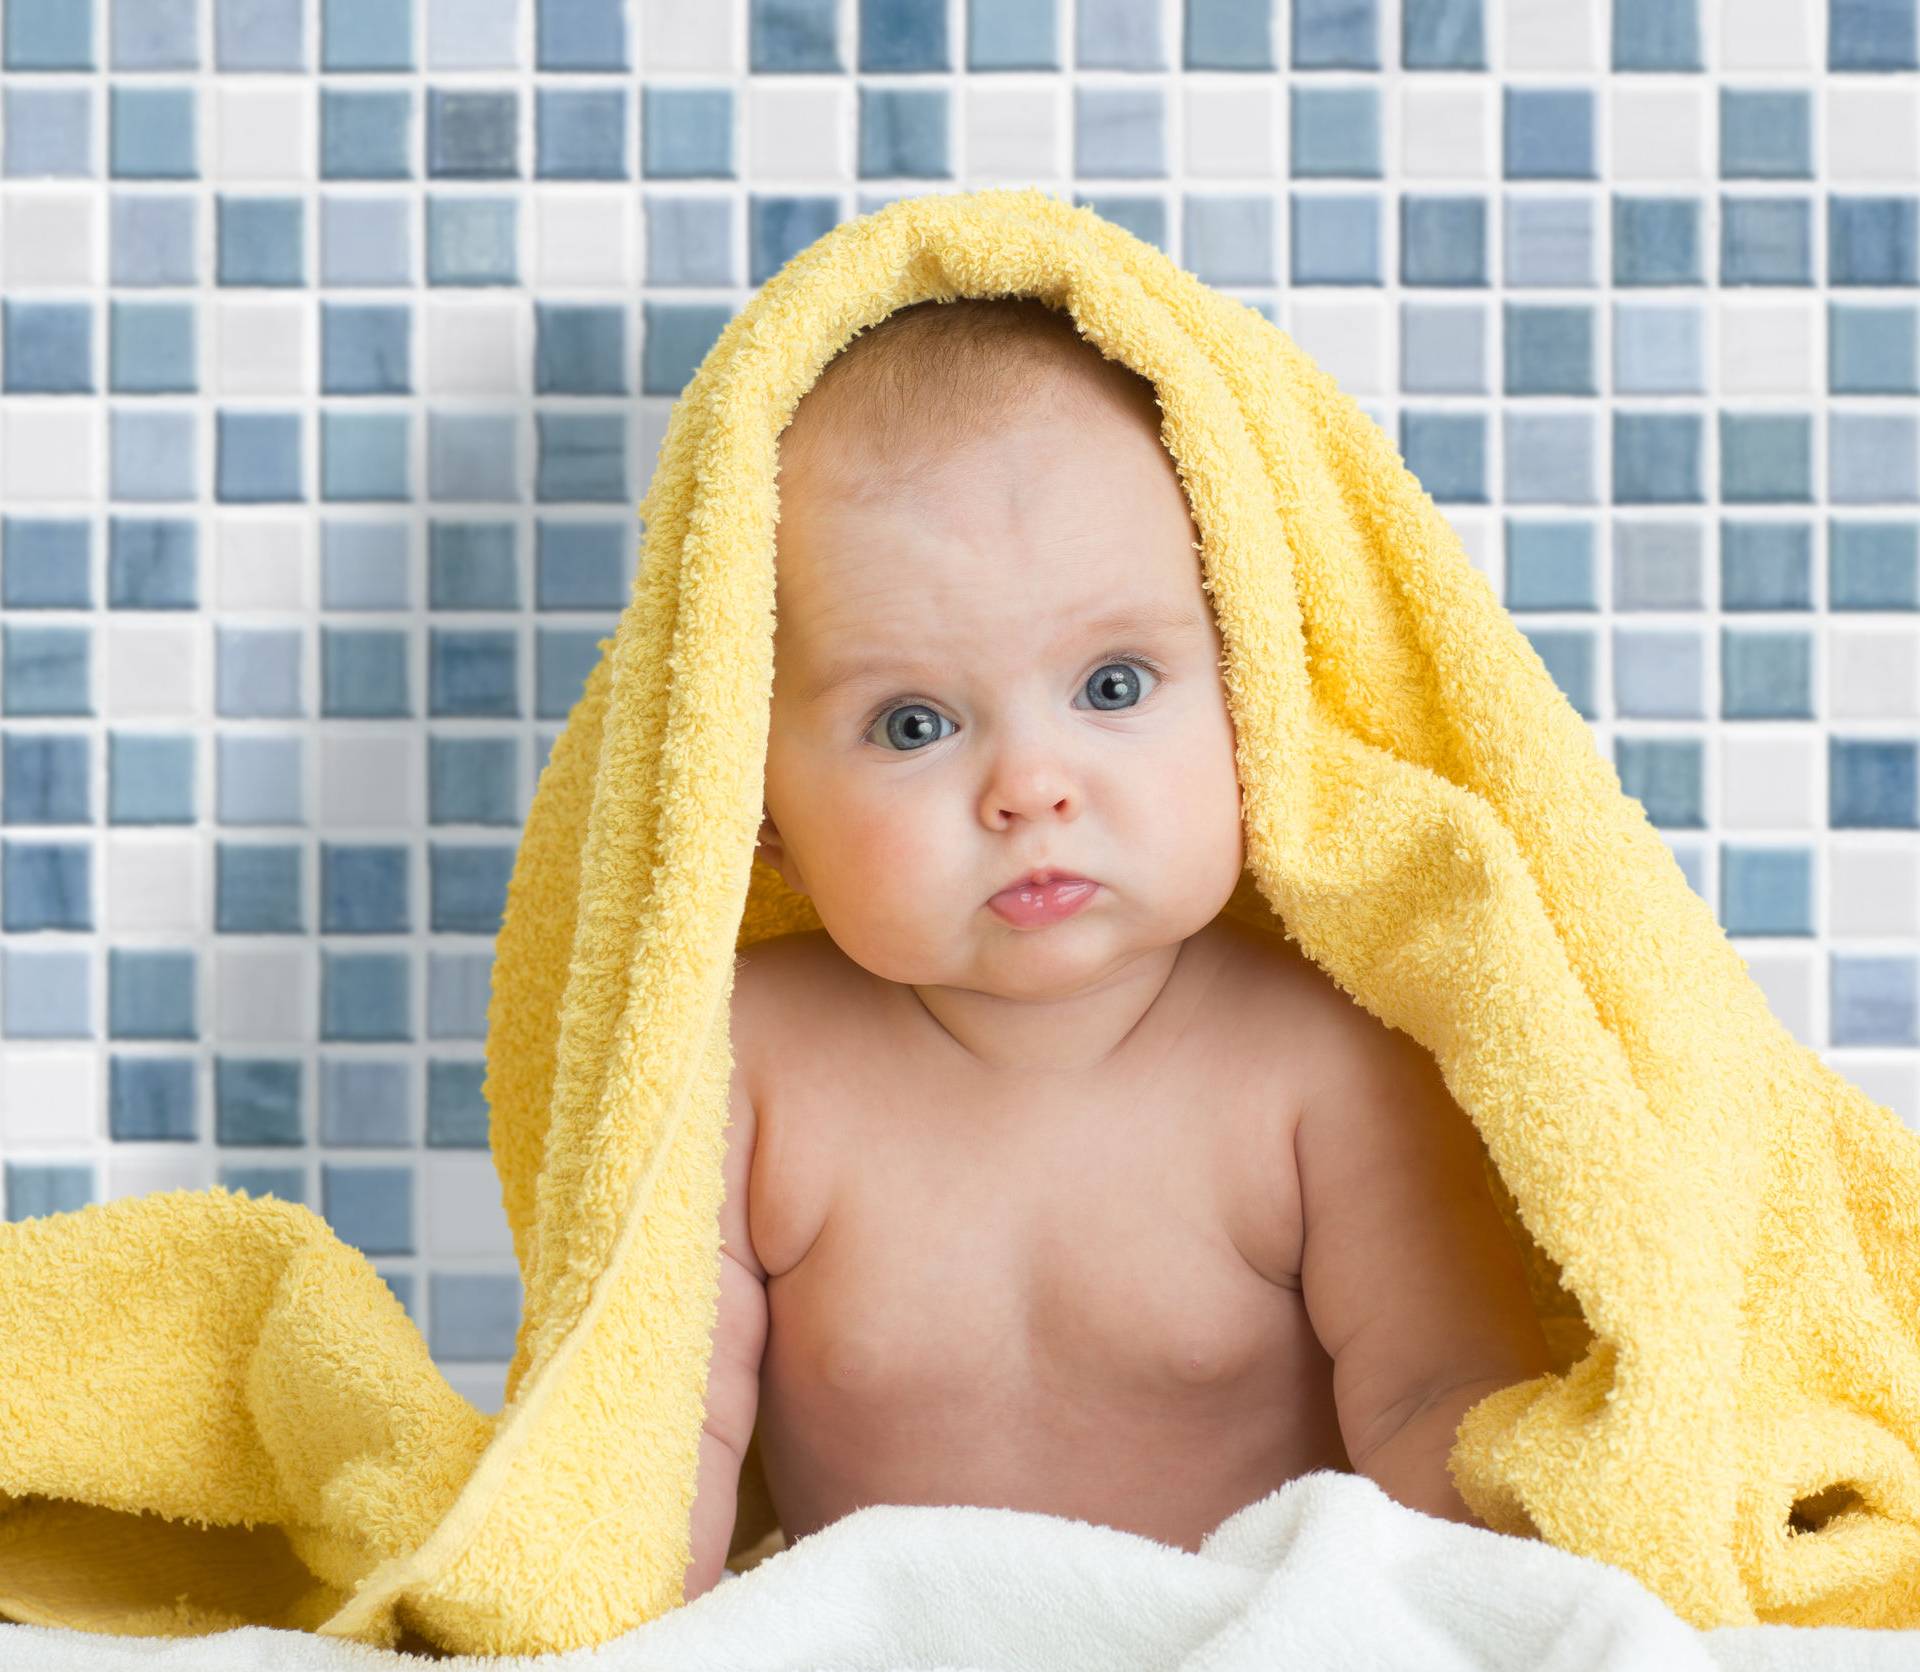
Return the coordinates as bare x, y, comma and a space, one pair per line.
1039, 876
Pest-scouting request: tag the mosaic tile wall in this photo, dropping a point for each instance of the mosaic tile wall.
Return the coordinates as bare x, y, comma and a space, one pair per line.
337, 339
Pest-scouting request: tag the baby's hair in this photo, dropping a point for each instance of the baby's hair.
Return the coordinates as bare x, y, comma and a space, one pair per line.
935, 373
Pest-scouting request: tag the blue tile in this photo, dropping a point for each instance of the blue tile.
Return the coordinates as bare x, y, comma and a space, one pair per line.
1870, 240
286, 1184
155, 349
459, 986
473, 241
1870, 784
1870, 35
1230, 240
1871, 456
1118, 35
1548, 133
365, 456
46, 995
369, 1208
581, 456
581, 135
1012, 35
1327, 34
364, 997
363, 674
45, 886
1550, 566
259, 35
1656, 241
690, 241
582, 34
154, 240
473, 780
365, 1104
903, 35
258, 889
1448, 452
49, 132
1659, 349
686, 133
259, 457
1549, 350
1550, 457
1766, 241
472, 456
262, 778
1872, 350
49, 347
366, 349
1568, 654
156, 35
45, 778
262, 241
1666, 776
1766, 675
49, 35
1873, 566
1766, 134
153, 563
150, 993
1443, 240
1443, 35
1766, 457
1120, 132
473, 673
457, 1112
366, 136
1766, 566
469, 886
150, 779
1336, 240
475, 1316
150, 1099
1659, 673
903, 133
366, 241
1766, 891
1872, 1001
778, 228
1656, 566
256, 1102
473, 135
1549, 242
153, 455
675, 338
364, 566
256, 676
45, 670
364, 889
367, 35
563, 659
794, 36
153, 134
471, 566
583, 565
1144, 216
33, 1192
1656, 35
1657, 458
1334, 132
45, 564
1443, 349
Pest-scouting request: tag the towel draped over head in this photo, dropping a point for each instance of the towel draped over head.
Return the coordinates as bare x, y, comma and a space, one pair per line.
215, 1413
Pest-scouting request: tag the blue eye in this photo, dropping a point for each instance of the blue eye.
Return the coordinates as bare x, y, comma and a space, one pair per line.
912, 724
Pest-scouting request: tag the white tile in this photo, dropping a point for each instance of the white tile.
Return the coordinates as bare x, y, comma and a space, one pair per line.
1552, 35
153, 669
266, 995
477, 35
265, 133
1348, 340
585, 238
1769, 346
1873, 133
800, 132
1873, 888
264, 562
1664, 133
135, 1169
1769, 782
52, 452
1450, 133
154, 882
461, 1205
673, 35
372, 781
50, 1097
1888, 1081
1231, 127
1013, 135
478, 348
52, 238
264, 347
1872, 673
1768, 35
1789, 980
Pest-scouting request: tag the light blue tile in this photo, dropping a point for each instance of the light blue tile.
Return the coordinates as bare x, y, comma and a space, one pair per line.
778, 228
256, 674
1443, 35
1327, 34
1119, 132
675, 338
1766, 675
1656, 35
44, 995
151, 993
366, 241
903, 133
259, 34
457, 1112
1766, 134
35, 1191
473, 780
1872, 1000
473, 134
1144, 216
1548, 350
45, 563
1766, 891
1013, 35
581, 456
150, 779
1872, 350
472, 566
366, 1105
151, 1099
1766, 566
1766, 457
1549, 243
1118, 35
1870, 240
473, 241
364, 889
690, 241
258, 889
1666, 775
473, 34
366, 135
49, 132
49, 35
1871, 457
365, 996
472, 456
153, 455
1443, 240
1550, 458
1569, 656
45, 670
1873, 565
1448, 452
1656, 566
563, 657
365, 456
261, 779
156, 34
363, 674
1659, 348
45, 886
1657, 458
1656, 241
1443, 349
364, 566
1548, 133
369, 1208
49, 347
468, 882
155, 348
581, 134
1229, 240
153, 563
1550, 566
154, 240
794, 36
366, 349
1870, 784
256, 1102
581, 34
1659, 673
458, 987
686, 133
1334, 132
366, 35
262, 241
474, 1316
1870, 35
1766, 241
152, 133
1335, 240
45, 778
583, 565
286, 1184
903, 35
259, 457
472, 674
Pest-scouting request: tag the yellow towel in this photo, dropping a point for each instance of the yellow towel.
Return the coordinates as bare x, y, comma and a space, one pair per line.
212, 1412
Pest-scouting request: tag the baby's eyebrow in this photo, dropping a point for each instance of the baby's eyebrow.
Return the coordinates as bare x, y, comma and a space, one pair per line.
1172, 620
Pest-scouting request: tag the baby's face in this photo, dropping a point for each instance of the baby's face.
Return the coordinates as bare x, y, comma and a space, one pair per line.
949, 711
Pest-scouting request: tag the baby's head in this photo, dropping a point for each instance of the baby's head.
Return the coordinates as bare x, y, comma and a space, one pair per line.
993, 652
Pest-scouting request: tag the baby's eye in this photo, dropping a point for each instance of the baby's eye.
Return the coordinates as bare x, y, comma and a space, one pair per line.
1115, 685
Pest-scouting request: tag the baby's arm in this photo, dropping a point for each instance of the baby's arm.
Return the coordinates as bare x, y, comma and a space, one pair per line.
733, 1377
1410, 1279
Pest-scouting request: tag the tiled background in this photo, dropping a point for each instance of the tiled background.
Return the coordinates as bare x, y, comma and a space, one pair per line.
339, 337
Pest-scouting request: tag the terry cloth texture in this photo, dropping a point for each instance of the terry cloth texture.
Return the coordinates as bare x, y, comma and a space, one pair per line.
214, 1413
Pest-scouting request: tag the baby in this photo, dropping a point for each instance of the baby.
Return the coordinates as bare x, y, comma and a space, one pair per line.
1073, 1196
